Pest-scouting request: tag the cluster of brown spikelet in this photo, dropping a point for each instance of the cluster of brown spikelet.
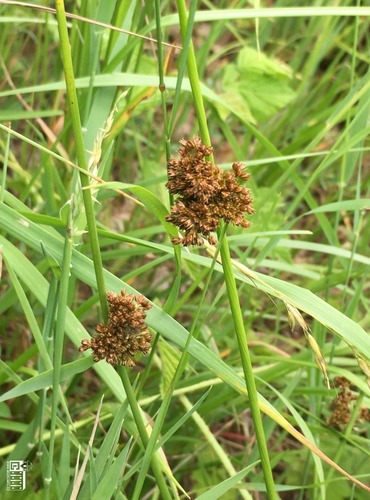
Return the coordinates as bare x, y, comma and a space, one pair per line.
206, 194
341, 406
126, 333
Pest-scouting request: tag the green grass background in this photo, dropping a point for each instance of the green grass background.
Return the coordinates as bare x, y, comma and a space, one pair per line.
286, 90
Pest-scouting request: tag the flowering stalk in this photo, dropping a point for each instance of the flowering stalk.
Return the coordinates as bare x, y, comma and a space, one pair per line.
117, 342
229, 276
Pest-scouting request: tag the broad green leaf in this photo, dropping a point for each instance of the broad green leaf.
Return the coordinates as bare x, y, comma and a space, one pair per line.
303, 299
45, 379
263, 83
234, 100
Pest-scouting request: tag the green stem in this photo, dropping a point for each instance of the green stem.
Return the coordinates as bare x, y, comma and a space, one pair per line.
247, 367
47, 331
58, 348
159, 421
156, 466
65, 50
229, 276
174, 292
194, 78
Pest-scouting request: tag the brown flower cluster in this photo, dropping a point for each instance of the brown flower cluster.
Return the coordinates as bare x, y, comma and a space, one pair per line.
206, 194
341, 405
126, 333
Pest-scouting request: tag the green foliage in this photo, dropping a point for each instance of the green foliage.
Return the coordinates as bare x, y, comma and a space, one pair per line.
257, 83
285, 90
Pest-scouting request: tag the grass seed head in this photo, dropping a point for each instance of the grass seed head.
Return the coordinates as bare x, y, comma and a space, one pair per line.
206, 194
126, 333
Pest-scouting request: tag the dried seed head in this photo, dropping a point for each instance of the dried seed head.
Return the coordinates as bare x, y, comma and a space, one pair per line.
206, 194
341, 405
126, 333
295, 318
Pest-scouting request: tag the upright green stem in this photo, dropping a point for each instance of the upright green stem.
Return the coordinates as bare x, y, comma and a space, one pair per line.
58, 348
229, 276
247, 367
80, 153
159, 421
174, 292
161, 483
